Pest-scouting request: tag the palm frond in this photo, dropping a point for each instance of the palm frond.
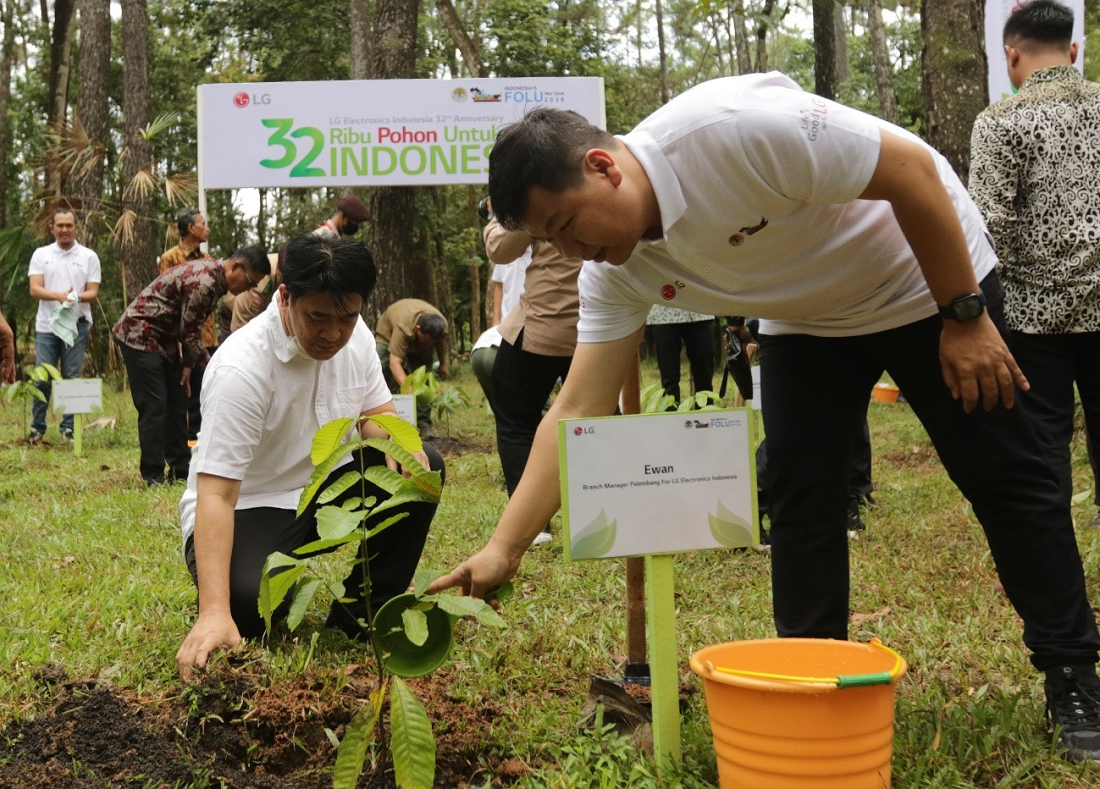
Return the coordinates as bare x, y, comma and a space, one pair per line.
159, 124
141, 185
123, 231
181, 188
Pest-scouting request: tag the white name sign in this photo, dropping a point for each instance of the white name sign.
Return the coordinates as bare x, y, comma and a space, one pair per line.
367, 132
657, 483
77, 396
406, 407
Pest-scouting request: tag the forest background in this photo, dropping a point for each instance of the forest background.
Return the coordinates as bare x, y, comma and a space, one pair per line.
97, 110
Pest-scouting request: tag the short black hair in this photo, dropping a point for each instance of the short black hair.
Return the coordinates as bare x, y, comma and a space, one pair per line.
185, 220
544, 149
1046, 23
56, 211
333, 266
435, 326
254, 259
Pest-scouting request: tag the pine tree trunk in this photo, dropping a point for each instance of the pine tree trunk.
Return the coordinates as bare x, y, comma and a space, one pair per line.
61, 45
394, 207
884, 70
741, 36
135, 236
359, 25
7, 64
824, 49
91, 114
955, 70
762, 36
840, 30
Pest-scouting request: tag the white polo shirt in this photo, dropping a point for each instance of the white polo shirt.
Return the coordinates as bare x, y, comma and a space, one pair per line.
511, 276
757, 183
262, 403
63, 270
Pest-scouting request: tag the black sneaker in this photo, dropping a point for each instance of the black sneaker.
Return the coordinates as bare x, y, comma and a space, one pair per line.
67, 436
1073, 705
35, 437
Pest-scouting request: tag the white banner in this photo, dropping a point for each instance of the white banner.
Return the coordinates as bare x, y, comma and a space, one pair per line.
370, 132
996, 14
657, 483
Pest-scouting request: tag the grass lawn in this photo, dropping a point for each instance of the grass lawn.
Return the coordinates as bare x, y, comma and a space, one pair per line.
96, 597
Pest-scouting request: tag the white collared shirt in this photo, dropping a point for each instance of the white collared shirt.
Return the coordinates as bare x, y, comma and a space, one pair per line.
757, 183
262, 404
63, 270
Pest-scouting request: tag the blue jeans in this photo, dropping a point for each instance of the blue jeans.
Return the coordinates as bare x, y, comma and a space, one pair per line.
49, 349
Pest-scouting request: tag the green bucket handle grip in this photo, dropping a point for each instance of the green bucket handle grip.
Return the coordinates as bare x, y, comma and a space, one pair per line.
863, 680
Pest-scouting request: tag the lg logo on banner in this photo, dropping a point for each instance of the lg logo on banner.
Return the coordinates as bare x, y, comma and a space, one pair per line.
242, 99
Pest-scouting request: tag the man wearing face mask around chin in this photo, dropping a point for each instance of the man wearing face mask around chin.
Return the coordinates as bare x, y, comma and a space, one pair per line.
307, 360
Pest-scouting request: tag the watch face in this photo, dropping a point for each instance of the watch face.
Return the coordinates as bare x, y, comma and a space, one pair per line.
967, 307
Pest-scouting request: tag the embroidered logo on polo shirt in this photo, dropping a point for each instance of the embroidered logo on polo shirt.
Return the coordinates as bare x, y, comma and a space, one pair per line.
668, 292
738, 238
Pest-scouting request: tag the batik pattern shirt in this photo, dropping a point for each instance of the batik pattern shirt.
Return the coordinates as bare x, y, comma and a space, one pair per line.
1035, 160
182, 253
168, 315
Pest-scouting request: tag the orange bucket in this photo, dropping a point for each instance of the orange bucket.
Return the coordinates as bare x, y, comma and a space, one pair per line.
885, 393
801, 712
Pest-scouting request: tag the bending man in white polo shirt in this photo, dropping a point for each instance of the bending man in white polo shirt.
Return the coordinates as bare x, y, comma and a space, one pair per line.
307, 360
859, 245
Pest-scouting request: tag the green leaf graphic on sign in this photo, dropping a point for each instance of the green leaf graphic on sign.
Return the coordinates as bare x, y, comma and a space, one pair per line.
595, 539
730, 530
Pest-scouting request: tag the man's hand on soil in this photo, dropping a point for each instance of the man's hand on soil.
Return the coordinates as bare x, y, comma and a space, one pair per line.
215, 631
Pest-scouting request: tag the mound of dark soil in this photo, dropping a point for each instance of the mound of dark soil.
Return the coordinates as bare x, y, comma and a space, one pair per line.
229, 729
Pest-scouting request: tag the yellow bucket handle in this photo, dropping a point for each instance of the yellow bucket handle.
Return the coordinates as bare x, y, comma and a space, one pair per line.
839, 681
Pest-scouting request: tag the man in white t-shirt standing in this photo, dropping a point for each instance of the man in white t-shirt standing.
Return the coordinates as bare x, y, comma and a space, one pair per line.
307, 360
64, 277
859, 248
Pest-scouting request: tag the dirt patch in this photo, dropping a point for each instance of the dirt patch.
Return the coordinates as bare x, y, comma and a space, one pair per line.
450, 446
230, 729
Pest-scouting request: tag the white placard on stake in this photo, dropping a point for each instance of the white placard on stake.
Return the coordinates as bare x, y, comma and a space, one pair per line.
77, 396
657, 483
406, 407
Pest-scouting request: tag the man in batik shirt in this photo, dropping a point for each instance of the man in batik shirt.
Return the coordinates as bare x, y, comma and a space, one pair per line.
160, 336
193, 234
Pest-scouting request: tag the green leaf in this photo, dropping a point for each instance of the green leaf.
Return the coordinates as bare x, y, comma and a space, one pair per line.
411, 740
274, 588
401, 432
408, 494
352, 752
595, 539
325, 545
334, 522
468, 606
416, 625
347, 479
51, 371
303, 596
423, 578
323, 469
427, 480
389, 481
327, 439
730, 530
381, 527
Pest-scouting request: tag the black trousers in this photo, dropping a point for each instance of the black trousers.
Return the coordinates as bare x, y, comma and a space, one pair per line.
521, 382
1052, 364
161, 404
698, 339
261, 531
993, 457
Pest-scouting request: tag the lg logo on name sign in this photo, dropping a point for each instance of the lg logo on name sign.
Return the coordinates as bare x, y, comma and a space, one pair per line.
243, 99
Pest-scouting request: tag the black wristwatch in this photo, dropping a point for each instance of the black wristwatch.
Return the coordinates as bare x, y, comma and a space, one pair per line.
964, 308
